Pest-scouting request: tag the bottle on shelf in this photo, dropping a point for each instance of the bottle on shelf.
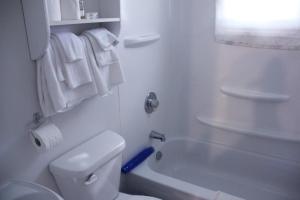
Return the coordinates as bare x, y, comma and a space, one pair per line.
82, 8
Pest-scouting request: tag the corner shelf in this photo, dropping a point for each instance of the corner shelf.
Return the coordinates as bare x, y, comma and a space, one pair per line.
254, 95
257, 133
84, 21
139, 40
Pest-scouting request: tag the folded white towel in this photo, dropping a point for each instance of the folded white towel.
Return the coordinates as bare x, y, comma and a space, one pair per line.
71, 59
48, 106
70, 46
224, 196
43, 95
70, 9
102, 43
53, 9
99, 78
104, 39
106, 58
55, 96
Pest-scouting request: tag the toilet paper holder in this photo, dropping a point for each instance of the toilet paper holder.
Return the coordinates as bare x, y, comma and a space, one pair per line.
37, 120
43, 133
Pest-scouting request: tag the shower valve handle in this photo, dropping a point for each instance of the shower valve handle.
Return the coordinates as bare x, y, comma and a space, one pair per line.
151, 103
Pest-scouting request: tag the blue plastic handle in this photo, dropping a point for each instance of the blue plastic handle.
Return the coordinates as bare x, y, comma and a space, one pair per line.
137, 160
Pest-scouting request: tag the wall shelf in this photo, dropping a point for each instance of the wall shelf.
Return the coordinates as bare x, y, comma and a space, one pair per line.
84, 21
140, 40
254, 95
258, 133
38, 27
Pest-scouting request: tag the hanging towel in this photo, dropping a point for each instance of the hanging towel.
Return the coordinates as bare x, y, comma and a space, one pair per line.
55, 96
102, 43
43, 95
73, 64
103, 38
99, 78
48, 106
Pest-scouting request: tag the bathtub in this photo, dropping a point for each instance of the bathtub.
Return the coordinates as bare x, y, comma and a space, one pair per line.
190, 170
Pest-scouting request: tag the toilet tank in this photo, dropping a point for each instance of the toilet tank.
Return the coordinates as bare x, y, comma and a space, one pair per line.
91, 171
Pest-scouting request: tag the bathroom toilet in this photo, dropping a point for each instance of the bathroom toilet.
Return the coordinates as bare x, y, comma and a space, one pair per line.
22, 190
92, 170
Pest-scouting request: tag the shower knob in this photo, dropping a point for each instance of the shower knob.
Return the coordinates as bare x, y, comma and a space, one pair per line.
151, 103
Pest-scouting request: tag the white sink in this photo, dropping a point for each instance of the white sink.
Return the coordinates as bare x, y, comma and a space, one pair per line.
20, 190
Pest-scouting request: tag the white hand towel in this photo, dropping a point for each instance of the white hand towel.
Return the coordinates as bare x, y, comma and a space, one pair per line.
70, 46
70, 9
72, 96
55, 96
102, 43
48, 106
71, 60
106, 58
99, 78
53, 9
103, 38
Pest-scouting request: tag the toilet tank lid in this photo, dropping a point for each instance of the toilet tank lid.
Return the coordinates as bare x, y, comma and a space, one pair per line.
89, 156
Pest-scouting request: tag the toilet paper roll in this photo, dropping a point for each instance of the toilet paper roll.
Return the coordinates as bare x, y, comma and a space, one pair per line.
46, 137
54, 10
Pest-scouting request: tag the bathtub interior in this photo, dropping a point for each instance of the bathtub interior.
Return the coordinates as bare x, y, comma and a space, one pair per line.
220, 168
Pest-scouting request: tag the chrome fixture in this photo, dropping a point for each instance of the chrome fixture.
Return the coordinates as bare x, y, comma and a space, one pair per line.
37, 118
158, 156
151, 103
158, 136
37, 121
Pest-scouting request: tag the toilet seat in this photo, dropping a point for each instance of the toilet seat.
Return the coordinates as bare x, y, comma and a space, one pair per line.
123, 196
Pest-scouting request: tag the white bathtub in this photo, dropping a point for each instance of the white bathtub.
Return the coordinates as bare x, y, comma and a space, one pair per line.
192, 170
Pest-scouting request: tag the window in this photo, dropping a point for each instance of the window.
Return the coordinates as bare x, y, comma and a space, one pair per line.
259, 23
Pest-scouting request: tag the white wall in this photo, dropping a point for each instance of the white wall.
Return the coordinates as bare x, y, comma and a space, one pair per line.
147, 69
213, 65
18, 157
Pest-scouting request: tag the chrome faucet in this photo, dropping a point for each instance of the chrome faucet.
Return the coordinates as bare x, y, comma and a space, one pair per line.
158, 136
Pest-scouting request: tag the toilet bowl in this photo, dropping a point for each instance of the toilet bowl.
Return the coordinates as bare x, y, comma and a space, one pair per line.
92, 170
21, 190
123, 196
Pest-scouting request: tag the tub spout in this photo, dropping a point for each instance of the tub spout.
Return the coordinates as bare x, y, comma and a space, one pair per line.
158, 136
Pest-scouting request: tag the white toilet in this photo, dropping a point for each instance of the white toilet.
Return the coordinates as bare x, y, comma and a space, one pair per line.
92, 170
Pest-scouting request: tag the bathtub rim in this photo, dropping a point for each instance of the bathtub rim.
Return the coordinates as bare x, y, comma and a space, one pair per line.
146, 171
160, 145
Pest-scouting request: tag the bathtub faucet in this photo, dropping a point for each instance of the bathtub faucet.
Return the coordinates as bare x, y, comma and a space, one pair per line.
158, 136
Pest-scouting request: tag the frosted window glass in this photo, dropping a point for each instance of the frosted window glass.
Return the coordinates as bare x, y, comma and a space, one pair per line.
259, 23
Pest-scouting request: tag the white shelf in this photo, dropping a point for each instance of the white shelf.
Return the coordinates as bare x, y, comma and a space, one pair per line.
254, 95
38, 27
83, 21
134, 41
258, 133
